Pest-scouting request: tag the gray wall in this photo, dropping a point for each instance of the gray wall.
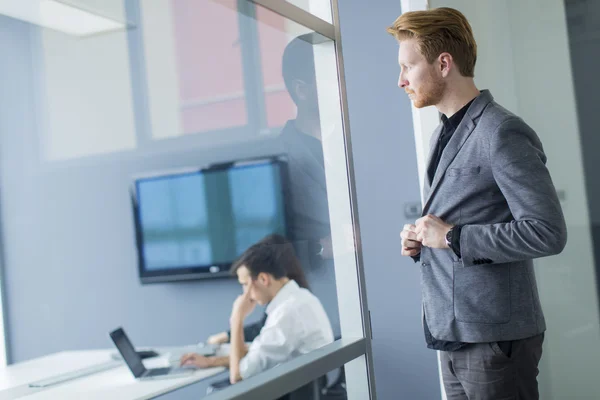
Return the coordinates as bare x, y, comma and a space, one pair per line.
386, 179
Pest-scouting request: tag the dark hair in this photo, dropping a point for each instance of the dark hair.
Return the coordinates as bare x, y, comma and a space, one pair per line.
273, 255
298, 62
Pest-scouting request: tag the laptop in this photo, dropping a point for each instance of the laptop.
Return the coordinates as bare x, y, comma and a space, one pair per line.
135, 364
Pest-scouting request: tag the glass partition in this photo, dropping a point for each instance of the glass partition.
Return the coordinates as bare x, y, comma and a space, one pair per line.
188, 95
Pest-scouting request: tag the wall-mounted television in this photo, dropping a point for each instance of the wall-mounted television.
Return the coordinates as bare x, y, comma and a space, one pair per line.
193, 224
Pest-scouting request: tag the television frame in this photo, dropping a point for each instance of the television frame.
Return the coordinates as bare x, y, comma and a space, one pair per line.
220, 270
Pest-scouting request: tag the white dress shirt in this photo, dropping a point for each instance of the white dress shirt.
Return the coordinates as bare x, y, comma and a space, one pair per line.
296, 324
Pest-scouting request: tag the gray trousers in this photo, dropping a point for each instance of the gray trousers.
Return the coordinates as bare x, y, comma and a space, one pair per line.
483, 371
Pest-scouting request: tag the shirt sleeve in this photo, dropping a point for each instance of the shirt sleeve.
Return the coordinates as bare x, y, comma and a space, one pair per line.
275, 344
251, 331
455, 244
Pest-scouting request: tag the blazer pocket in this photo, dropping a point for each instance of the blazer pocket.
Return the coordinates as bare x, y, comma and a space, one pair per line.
482, 294
463, 171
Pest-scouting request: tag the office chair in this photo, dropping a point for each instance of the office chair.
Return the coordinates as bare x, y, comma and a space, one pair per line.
329, 387
335, 389
310, 391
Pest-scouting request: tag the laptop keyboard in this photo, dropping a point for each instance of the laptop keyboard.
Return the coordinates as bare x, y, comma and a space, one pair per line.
159, 371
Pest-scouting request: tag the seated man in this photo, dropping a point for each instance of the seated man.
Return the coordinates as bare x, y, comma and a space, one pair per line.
293, 270
296, 321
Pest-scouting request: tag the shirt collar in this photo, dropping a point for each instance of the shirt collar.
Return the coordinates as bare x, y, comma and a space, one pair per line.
284, 293
454, 120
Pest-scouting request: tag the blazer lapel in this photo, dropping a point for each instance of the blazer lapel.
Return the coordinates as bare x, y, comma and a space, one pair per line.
462, 133
305, 159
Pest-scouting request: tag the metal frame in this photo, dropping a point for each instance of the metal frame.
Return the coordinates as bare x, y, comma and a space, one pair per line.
5, 343
138, 74
293, 374
299, 16
251, 65
365, 313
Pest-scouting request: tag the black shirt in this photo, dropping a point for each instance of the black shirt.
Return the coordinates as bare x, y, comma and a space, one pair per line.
450, 125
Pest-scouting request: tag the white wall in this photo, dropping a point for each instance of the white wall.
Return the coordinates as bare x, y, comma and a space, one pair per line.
163, 85
523, 58
567, 282
95, 115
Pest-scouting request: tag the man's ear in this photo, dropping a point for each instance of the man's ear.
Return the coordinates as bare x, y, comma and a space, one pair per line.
263, 278
446, 63
299, 87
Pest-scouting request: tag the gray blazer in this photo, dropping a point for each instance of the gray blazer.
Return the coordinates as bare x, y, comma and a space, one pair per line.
492, 178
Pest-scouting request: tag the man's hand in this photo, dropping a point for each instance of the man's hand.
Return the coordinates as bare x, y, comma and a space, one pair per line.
431, 231
410, 245
243, 305
196, 360
218, 338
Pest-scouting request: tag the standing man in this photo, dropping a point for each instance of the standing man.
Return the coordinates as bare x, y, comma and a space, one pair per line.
490, 209
301, 137
306, 194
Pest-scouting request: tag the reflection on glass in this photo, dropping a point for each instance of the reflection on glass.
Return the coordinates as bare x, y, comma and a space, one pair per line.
319, 8
293, 277
277, 272
211, 85
195, 76
301, 138
279, 56
307, 198
184, 68
279, 106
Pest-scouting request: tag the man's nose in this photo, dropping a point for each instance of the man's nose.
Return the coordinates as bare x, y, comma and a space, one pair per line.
402, 83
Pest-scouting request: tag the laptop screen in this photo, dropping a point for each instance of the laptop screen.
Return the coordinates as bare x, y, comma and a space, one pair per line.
133, 360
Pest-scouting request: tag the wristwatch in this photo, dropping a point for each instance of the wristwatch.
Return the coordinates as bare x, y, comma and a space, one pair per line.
320, 249
315, 247
449, 237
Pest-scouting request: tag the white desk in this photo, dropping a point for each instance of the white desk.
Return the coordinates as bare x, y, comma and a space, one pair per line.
114, 384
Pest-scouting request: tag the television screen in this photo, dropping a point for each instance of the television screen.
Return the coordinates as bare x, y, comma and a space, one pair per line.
195, 224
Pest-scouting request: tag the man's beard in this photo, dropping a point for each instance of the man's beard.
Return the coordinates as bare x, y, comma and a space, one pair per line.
430, 95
